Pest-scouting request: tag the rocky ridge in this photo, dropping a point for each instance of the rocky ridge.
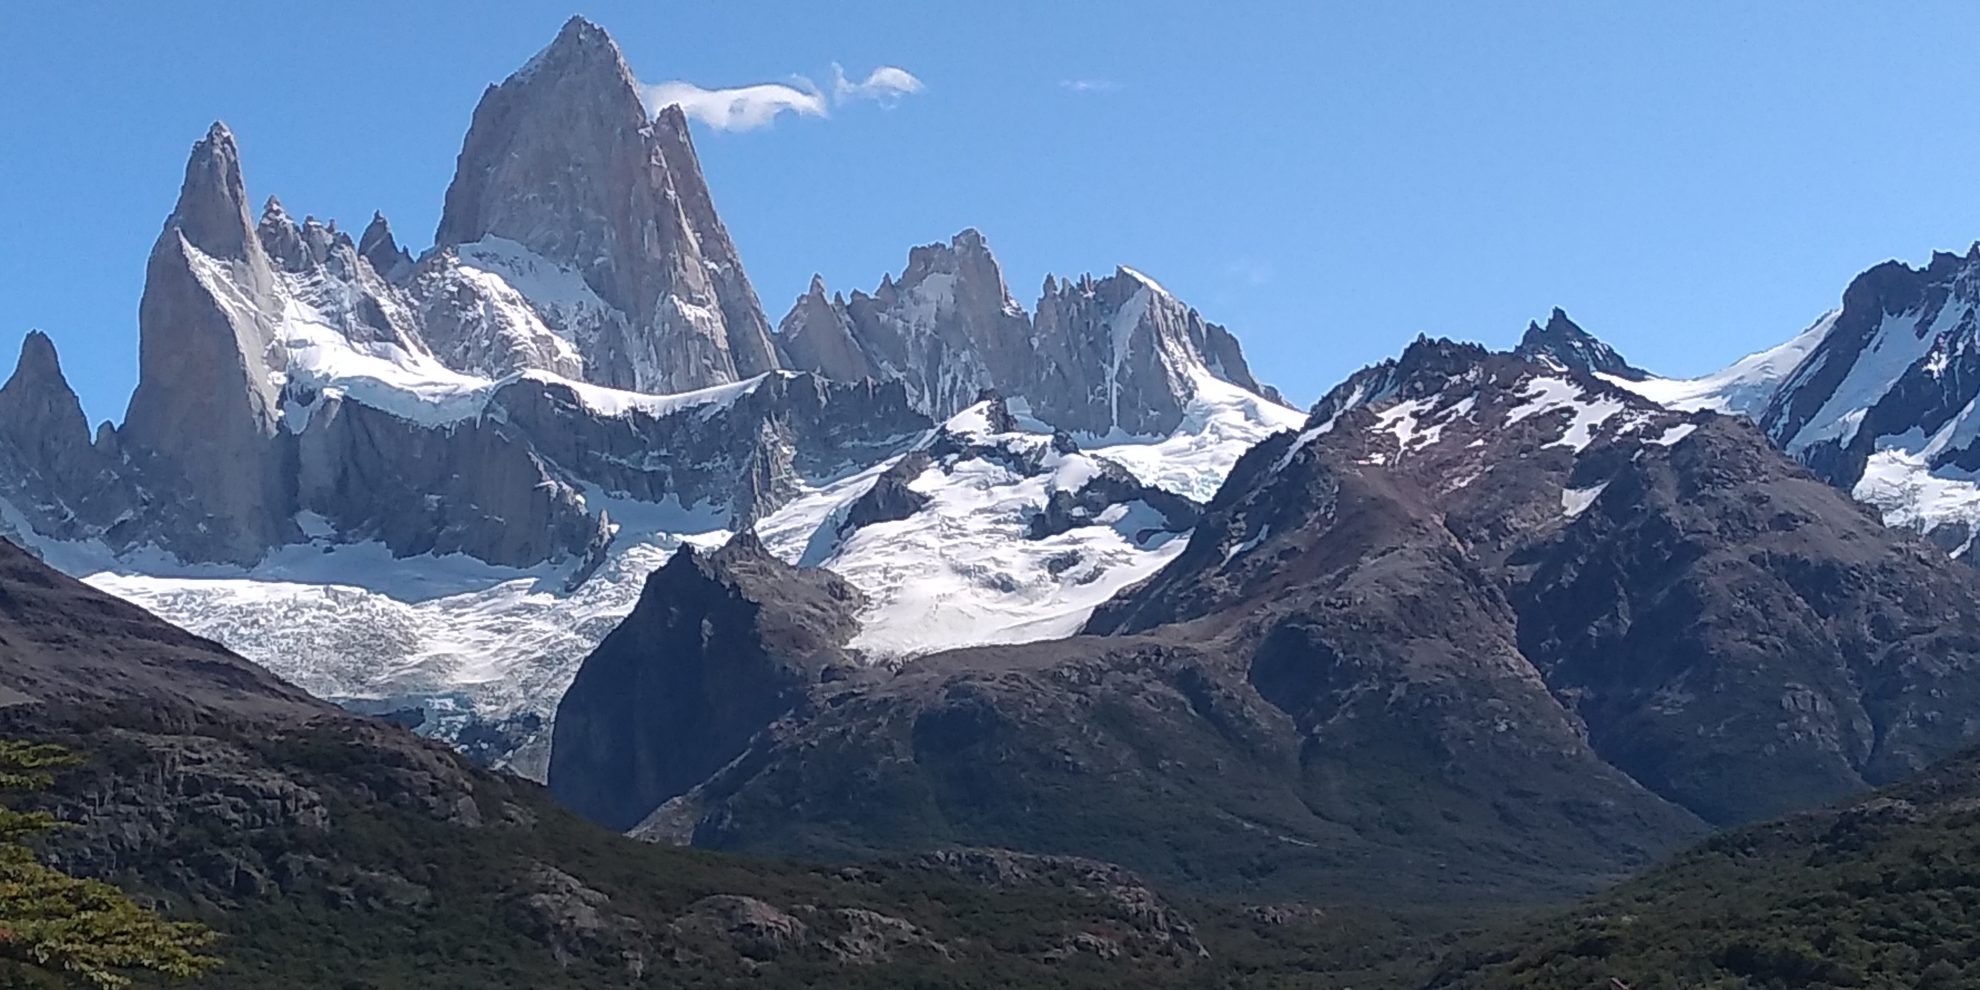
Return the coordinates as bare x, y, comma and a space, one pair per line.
1115, 355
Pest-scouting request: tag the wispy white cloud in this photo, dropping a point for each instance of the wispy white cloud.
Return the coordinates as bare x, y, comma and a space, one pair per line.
1090, 85
746, 108
886, 84
1250, 271
743, 108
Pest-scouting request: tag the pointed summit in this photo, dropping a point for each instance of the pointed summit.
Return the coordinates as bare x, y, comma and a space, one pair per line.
212, 211
817, 336
377, 246
38, 360
1564, 343
582, 50
562, 159
208, 358
38, 409
42, 429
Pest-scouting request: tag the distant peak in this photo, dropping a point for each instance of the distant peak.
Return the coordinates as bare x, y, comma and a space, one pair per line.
1558, 325
272, 210
817, 287
1563, 342
580, 47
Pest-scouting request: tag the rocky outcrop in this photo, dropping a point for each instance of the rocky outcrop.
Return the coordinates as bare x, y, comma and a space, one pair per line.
890, 499
1896, 371
1150, 919
478, 323
1110, 485
1101, 355
1794, 657
563, 162
947, 328
720, 645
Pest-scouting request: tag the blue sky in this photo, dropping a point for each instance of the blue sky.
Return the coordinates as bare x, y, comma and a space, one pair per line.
1691, 180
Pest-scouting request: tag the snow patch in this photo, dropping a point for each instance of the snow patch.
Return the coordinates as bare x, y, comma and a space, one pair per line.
1574, 501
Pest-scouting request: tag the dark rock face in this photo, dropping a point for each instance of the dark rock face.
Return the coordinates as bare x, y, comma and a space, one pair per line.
1163, 756
1113, 353
563, 160
1111, 485
1563, 342
1748, 642
475, 487
723, 453
890, 499
719, 646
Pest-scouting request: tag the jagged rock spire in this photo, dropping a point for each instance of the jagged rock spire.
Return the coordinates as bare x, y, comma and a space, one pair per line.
562, 159
208, 353
377, 246
1099, 355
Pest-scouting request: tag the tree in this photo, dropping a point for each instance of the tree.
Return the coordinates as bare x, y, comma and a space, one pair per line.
58, 930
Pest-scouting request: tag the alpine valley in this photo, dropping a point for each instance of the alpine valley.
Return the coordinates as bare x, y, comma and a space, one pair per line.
1083, 657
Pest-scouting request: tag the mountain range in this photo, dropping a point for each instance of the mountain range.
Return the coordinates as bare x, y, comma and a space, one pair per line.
925, 569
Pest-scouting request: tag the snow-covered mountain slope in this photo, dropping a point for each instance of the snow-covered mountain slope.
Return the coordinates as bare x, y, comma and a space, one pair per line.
491, 649
1881, 397
1744, 387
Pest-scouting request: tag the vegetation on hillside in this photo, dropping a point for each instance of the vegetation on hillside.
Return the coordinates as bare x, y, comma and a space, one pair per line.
56, 929
1881, 893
